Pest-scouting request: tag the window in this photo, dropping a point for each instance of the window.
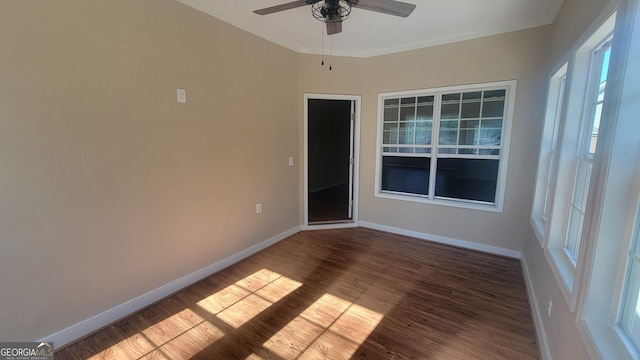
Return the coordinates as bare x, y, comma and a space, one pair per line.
548, 152
630, 312
560, 213
592, 230
587, 148
445, 145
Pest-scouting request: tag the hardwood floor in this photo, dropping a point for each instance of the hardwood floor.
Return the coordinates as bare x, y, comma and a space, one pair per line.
336, 294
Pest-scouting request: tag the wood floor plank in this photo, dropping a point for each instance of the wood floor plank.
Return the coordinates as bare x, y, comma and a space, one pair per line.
336, 294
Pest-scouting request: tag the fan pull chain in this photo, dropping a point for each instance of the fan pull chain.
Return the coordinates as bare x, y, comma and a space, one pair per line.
322, 37
330, 53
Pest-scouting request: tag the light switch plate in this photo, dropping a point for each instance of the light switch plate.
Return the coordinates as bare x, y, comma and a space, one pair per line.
182, 95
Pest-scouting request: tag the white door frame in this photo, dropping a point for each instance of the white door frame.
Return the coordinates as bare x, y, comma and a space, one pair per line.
356, 158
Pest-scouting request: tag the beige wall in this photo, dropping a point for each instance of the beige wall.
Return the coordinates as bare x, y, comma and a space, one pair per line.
561, 333
518, 55
108, 187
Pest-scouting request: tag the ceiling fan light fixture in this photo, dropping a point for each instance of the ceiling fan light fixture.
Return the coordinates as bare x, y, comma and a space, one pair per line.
331, 11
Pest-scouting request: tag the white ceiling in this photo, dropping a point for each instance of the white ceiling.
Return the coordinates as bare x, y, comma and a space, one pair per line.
367, 33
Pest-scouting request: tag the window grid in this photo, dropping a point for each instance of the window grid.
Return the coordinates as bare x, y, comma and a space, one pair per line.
577, 209
463, 129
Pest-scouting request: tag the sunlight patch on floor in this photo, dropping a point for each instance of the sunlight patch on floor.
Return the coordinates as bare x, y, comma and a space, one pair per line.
330, 327
240, 302
182, 335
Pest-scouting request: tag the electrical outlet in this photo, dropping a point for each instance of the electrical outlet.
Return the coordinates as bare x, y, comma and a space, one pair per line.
181, 95
549, 304
258, 208
290, 160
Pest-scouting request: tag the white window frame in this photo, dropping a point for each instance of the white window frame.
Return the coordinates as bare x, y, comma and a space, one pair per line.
548, 156
616, 198
574, 119
497, 206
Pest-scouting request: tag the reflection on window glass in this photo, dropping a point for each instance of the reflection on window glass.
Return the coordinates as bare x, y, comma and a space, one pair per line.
406, 174
470, 179
597, 113
482, 125
577, 209
630, 319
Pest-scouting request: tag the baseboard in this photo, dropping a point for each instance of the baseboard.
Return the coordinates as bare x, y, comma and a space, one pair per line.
339, 225
97, 322
541, 335
445, 240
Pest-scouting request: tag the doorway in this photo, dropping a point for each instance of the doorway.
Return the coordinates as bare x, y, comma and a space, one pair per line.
331, 159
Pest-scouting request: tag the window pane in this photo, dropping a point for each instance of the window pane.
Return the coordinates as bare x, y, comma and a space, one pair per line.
630, 321
406, 174
493, 108
490, 136
471, 109
407, 133
408, 109
474, 95
494, 94
450, 111
467, 137
450, 108
576, 218
471, 179
582, 185
495, 124
451, 97
493, 103
597, 112
449, 124
576, 210
425, 108
391, 102
448, 137
391, 109
488, 151
423, 132
467, 151
447, 151
390, 133
469, 124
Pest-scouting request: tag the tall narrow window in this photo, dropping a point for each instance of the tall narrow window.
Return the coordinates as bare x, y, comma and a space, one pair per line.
445, 145
548, 157
587, 149
565, 184
553, 148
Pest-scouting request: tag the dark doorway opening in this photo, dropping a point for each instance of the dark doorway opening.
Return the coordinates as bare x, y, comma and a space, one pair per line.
330, 151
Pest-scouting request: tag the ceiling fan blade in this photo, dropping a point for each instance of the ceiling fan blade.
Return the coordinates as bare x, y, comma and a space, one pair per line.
281, 7
334, 28
390, 7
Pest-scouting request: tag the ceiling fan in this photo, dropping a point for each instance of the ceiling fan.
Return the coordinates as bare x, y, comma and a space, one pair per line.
333, 12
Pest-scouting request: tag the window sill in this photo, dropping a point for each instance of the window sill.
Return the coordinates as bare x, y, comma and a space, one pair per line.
444, 202
603, 342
